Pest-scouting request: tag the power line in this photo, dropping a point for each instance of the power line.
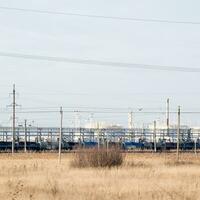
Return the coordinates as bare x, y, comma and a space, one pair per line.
108, 93
101, 112
99, 16
94, 108
121, 65
89, 107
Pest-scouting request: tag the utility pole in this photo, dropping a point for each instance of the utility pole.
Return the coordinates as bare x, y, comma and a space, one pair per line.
154, 136
168, 117
98, 137
130, 124
25, 134
13, 118
178, 131
130, 120
195, 146
107, 141
60, 134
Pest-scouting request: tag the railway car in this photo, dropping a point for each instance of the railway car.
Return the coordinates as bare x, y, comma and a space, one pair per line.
132, 145
5, 146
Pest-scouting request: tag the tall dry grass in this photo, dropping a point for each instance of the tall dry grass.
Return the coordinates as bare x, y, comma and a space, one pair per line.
142, 176
98, 158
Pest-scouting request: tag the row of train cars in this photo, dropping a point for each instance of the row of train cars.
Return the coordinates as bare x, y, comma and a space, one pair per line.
128, 146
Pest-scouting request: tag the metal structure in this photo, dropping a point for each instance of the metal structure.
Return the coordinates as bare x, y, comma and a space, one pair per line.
13, 118
168, 125
178, 131
60, 134
47, 138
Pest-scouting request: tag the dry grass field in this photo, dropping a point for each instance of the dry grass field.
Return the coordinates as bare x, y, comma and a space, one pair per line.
143, 176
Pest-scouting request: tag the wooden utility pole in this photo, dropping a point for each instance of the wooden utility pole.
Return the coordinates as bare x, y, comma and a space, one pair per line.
25, 134
154, 137
60, 133
13, 120
168, 117
178, 131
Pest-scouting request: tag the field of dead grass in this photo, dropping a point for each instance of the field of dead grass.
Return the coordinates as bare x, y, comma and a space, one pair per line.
142, 176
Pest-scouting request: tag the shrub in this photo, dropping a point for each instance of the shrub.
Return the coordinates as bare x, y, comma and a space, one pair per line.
98, 158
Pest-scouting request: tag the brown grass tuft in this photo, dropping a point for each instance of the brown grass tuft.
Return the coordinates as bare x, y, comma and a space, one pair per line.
179, 163
139, 164
98, 158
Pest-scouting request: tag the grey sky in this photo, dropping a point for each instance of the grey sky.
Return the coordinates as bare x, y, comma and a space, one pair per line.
42, 83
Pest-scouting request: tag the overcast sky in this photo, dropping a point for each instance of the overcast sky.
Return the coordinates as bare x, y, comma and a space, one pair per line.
47, 84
